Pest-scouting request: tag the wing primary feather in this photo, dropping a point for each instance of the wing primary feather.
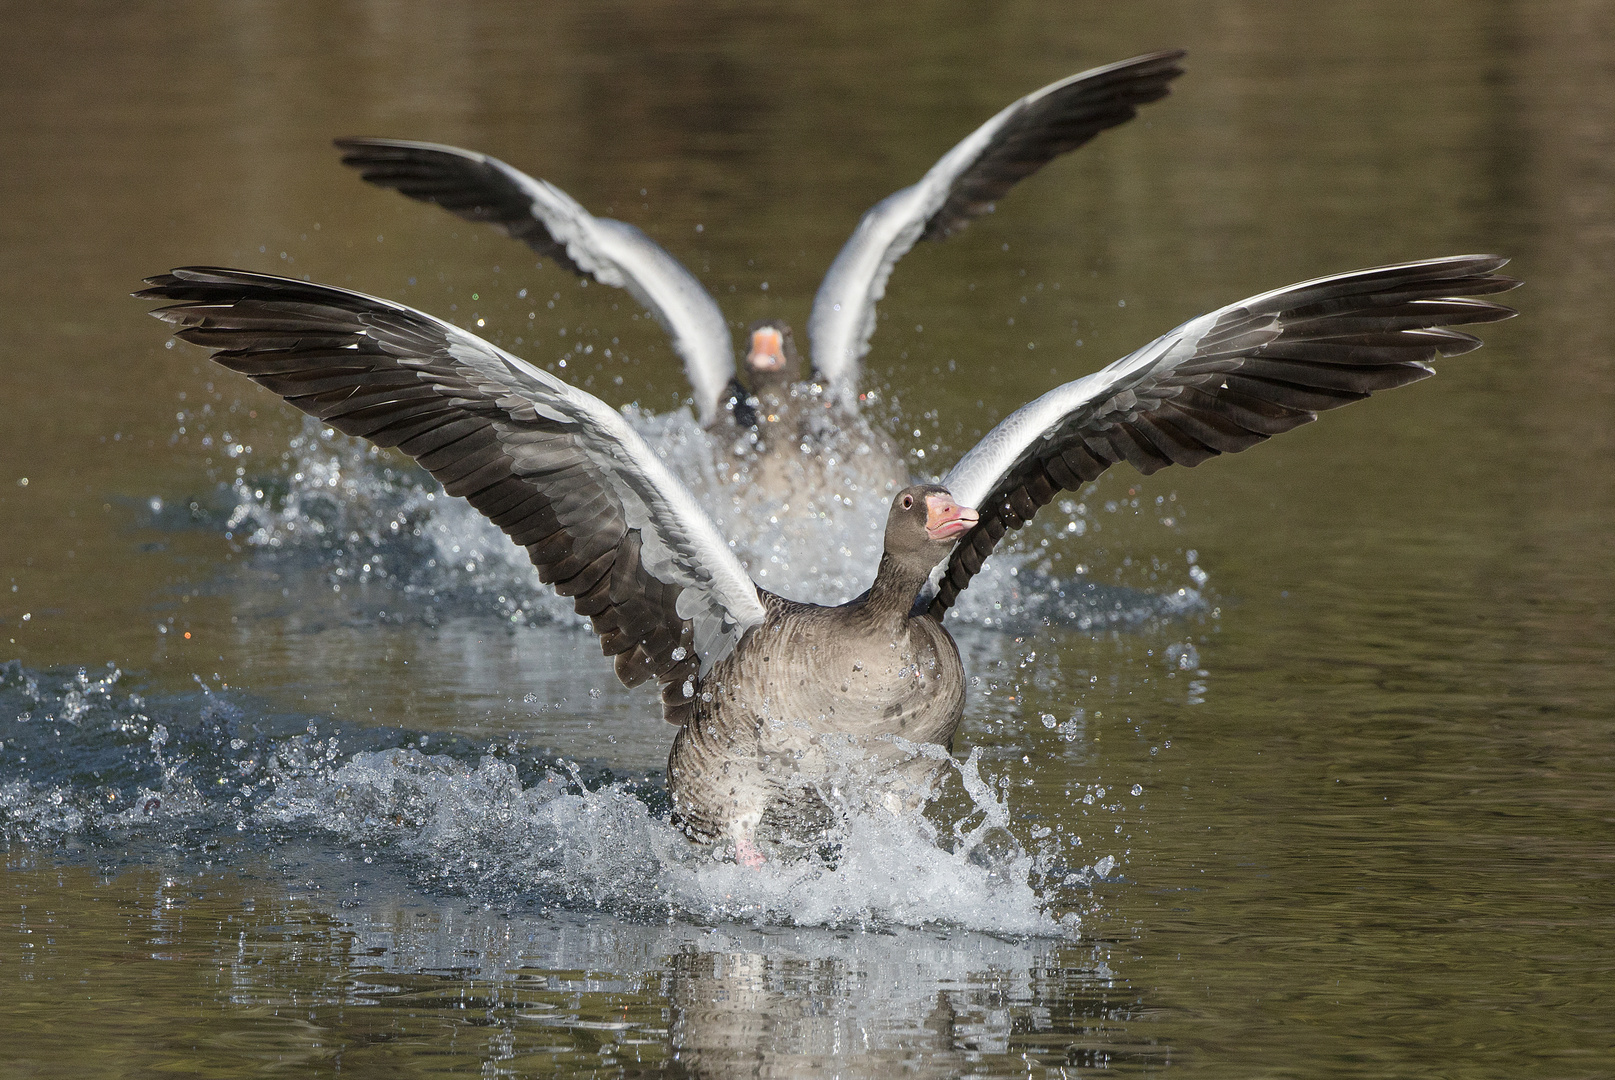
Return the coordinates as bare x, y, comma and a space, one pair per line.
963, 184
556, 469
484, 189
1220, 384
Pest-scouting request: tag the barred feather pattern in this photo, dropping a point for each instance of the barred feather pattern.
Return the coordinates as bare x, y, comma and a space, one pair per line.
398, 378
1220, 384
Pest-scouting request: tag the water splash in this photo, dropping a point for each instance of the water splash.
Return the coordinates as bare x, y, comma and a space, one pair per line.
478, 828
360, 515
820, 545
83, 760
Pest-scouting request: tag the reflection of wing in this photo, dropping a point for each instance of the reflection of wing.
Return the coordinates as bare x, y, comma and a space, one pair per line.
557, 469
481, 188
1219, 384
962, 185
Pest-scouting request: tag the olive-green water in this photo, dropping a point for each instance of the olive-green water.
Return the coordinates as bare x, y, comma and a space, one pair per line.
1352, 813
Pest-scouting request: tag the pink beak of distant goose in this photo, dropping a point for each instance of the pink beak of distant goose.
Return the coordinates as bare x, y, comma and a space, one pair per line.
767, 349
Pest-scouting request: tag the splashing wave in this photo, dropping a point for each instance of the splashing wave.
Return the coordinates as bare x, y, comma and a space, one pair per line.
82, 759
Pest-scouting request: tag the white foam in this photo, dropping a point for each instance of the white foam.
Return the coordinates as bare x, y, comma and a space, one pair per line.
478, 828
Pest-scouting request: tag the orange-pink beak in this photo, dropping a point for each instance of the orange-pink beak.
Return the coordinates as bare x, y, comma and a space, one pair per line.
767, 349
946, 519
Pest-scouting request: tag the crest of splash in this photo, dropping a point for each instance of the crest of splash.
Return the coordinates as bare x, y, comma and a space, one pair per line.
821, 543
78, 756
478, 828
364, 516
82, 759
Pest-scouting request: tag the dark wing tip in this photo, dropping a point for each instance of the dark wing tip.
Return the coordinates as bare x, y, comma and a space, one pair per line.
1162, 64
204, 293
178, 284
1160, 67
1048, 123
468, 184
1339, 339
360, 151
155, 287
399, 163
372, 142
183, 279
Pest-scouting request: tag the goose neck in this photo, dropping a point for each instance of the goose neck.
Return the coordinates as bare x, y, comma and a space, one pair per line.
897, 584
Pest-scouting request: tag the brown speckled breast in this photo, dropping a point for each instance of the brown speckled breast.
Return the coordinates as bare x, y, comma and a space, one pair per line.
808, 689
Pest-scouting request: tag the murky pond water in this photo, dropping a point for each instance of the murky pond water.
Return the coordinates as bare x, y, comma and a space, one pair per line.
1301, 763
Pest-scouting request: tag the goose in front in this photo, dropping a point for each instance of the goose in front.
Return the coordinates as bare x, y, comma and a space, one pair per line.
813, 417
760, 686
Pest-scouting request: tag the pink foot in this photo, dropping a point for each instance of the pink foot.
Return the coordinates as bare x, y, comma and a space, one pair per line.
747, 854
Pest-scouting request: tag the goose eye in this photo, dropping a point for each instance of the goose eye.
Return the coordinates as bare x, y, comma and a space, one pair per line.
908, 501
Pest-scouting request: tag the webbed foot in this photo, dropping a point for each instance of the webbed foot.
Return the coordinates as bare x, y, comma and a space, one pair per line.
748, 854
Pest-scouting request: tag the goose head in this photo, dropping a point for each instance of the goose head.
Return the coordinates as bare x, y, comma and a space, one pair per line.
924, 522
772, 364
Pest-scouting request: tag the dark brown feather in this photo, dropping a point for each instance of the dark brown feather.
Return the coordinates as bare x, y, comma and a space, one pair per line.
462, 183
1057, 122
371, 370
1256, 373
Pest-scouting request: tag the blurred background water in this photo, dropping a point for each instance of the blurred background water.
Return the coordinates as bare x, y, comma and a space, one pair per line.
1298, 763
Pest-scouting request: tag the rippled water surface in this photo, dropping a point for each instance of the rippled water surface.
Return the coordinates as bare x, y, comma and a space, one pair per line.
1301, 763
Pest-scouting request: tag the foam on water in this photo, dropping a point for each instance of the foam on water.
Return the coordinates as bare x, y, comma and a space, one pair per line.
478, 828
83, 760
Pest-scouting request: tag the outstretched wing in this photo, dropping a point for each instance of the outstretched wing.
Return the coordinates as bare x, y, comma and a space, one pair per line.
557, 469
963, 185
1219, 384
481, 188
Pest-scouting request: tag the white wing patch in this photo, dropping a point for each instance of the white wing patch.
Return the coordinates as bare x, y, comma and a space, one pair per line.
678, 542
622, 256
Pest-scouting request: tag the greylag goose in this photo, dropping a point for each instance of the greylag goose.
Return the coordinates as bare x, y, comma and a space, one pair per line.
778, 441
760, 685
962, 185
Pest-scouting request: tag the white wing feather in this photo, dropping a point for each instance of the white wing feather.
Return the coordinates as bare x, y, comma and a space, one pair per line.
843, 316
621, 255
975, 475
678, 541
